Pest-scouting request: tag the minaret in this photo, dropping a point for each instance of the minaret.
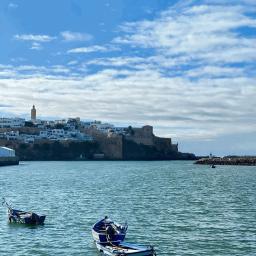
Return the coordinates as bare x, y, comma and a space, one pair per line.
33, 114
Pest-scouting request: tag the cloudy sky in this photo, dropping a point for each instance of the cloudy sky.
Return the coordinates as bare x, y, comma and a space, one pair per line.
185, 67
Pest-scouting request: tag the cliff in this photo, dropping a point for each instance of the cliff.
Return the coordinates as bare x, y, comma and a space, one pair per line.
134, 151
54, 150
135, 144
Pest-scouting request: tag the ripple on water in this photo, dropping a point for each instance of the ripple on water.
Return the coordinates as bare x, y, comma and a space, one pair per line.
181, 208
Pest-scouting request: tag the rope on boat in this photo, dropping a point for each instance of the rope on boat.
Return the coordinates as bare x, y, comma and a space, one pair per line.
124, 254
109, 241
6, 204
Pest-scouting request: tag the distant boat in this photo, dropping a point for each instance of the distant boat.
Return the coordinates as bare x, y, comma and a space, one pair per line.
124, 249
22, 217
106, 231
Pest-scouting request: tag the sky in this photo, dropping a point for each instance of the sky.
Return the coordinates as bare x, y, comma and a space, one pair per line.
185, 67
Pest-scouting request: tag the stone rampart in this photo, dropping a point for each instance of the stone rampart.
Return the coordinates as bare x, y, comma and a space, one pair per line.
112, 147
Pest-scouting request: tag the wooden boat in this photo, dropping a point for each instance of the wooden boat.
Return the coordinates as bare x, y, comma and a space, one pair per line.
106, 231
22, 217
126, 249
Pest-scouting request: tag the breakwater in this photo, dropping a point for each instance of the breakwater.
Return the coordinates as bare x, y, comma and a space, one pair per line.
4, 161
250, 161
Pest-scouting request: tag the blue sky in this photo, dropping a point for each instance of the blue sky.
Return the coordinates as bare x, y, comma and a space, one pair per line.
185, 67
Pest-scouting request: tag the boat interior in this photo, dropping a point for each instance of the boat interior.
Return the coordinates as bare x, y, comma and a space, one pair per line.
103, 225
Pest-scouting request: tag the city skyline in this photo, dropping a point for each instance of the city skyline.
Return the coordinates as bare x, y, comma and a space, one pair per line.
184, 67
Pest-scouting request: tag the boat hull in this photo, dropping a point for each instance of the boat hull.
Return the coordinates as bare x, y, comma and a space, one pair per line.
103, 239
17, 216
106, 231
124, 249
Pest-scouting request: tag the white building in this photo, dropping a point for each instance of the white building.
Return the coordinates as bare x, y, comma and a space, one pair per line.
62, 121
12, 135
6, 152
29, 139
11, 122
104, 128
58, 132
43, 134
85, 124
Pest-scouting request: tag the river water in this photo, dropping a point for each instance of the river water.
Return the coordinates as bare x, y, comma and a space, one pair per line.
179, 207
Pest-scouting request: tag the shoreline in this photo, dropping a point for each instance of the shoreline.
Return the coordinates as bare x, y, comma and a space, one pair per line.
108, 160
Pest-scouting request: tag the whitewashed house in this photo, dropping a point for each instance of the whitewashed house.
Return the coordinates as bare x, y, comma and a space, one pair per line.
11, 122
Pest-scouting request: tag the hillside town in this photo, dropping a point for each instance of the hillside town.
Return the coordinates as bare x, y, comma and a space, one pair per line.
58, 130
100, 140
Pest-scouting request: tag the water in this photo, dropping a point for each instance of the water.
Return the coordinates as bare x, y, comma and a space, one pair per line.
180, 208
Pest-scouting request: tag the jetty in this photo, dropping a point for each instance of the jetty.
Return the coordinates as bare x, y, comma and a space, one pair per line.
228, 160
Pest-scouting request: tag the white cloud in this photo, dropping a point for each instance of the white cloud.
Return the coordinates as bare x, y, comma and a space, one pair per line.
94, 48
34, 38
196, 82
75, 36
202, 109
13, 5
18, 59
117, 61
72, 62
208, 32
31, 71
36, 46
215, 71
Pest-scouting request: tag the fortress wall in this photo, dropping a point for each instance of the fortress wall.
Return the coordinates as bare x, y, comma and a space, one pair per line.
146, 136
141, 140
142, 135
165, 144
112, 147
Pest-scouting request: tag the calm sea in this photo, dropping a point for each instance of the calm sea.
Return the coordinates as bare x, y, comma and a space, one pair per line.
180, 208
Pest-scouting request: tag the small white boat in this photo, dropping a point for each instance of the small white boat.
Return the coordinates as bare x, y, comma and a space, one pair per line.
124, 249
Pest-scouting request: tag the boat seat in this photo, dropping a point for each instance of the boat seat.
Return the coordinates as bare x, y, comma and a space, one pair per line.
20, 213
25, 215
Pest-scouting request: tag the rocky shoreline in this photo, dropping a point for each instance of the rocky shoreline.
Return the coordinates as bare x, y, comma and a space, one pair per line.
249, 161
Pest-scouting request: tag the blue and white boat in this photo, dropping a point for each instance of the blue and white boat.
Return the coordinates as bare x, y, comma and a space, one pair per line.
106, 231
18, 216
125, 249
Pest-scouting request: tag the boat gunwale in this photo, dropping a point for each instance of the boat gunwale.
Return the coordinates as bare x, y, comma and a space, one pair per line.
148, 250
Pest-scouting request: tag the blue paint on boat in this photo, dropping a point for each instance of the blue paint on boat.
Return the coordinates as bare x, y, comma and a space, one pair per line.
109, 240
126, 249
106, 231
